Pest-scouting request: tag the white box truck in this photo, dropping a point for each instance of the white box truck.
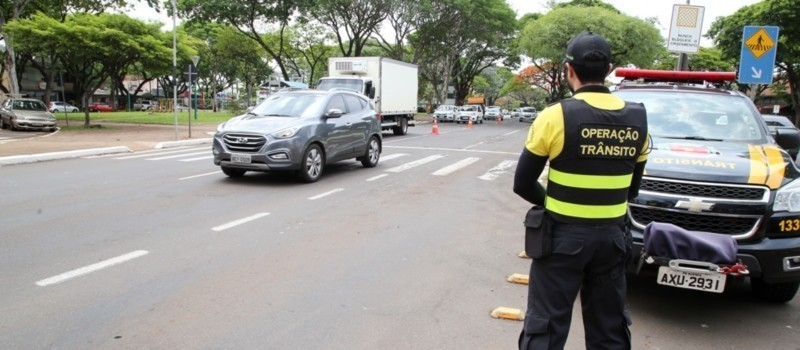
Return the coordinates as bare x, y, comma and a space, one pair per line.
390, 84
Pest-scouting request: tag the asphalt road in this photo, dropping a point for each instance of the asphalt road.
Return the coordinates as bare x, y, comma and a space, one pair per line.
160, 250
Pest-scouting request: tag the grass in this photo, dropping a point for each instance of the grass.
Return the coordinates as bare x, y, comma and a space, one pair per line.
143, 117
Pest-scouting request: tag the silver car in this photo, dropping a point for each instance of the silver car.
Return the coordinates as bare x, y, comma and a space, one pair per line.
300, 131
445, 113
527, 114
26, 114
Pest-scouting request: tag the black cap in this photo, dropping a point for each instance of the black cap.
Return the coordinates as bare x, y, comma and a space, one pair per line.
589, 50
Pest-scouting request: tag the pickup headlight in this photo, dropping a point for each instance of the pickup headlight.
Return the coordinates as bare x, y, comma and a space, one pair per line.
286, 133
788, 198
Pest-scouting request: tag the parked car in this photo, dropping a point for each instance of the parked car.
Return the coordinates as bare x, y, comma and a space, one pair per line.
26, 114
62, 107
470, 112
145, 105
100, 107
527, 114
493, 113
777, 122
300, 131
515, 113
445, 113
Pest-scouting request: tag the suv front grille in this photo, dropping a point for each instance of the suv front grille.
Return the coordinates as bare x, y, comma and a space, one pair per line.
244, 142
728, 225
703, 190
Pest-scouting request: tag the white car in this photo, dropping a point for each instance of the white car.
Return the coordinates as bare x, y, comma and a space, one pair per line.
493, 113
56, 106
527, 114
445, 113
470, 112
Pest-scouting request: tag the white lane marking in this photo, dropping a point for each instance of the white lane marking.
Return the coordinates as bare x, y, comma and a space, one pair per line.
180, 155
196, 159
196, 176
415, 163
325, 194
495, 172
509, 133
235, 223
144, 154
455, 166
453, 150
477, 144
392, 156
91, 268
377, 177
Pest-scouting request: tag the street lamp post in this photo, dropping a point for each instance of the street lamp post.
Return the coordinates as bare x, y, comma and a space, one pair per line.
128, 90
175, 65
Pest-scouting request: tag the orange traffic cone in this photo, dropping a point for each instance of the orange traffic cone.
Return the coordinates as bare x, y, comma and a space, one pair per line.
499, 120
469, 124
435, 130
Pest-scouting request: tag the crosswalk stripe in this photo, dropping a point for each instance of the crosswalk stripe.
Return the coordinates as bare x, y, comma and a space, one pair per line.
498, 170
196, 159
415, 163
392, 156
455, 166
145, 154
179, 155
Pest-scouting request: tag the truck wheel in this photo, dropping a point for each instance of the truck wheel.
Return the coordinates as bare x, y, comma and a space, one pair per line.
370, 159
231, 172
401, 129
312, 164
774, 292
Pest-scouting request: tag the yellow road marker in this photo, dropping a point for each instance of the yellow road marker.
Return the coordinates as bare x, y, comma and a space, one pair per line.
518, 278
508, 313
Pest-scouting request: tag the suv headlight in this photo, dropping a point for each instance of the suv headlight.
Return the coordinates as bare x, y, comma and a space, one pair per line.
286, 133
220, 127
788, 198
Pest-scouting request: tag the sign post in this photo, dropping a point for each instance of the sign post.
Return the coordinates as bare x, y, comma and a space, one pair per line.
757, 60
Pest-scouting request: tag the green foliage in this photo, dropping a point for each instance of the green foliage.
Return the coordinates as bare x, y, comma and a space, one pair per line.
632, 40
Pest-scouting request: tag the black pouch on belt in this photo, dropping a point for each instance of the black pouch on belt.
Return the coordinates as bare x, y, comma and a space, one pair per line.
538, 239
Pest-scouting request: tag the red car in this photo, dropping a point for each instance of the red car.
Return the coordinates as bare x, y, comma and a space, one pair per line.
100, 107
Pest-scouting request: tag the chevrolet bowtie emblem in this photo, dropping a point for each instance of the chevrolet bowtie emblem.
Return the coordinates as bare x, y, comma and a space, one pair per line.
694, 205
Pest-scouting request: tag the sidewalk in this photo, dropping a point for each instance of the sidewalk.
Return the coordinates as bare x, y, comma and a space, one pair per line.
116, 138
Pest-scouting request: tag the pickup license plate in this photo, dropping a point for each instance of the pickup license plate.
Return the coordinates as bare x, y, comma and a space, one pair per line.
241, 158
706, 282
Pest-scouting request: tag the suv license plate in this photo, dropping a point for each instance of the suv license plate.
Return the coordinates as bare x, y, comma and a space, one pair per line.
241, 158
706, 282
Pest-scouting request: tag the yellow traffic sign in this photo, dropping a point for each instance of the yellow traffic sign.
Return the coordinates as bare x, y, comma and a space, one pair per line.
759, 43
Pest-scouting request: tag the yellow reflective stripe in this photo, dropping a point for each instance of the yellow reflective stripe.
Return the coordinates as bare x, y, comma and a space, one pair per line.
598, 182
586, 211
758, 170
777, 166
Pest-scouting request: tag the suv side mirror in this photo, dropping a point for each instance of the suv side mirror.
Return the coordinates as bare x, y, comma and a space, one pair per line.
787, 138
334, 113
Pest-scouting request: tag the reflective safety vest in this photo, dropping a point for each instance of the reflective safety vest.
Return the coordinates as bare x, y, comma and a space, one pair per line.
588, 181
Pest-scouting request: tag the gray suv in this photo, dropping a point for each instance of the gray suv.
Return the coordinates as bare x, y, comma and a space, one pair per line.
301, 131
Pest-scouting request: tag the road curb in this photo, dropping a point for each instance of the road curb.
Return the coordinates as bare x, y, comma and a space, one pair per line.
41, 157
170, 144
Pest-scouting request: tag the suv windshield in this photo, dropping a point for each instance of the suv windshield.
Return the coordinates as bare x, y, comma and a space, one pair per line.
528, 109
289, 105
688, 115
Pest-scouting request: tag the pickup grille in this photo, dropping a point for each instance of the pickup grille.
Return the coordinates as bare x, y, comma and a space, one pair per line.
703, 190
244, 142
734, 226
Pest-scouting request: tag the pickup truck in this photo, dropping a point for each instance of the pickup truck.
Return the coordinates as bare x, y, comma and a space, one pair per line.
714, 167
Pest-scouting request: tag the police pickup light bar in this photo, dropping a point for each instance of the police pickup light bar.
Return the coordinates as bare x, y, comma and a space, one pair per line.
674, 76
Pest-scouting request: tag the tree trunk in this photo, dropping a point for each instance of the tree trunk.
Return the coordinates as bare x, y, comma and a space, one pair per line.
11, 69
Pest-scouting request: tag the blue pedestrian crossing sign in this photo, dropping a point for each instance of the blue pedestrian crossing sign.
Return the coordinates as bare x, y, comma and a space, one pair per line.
757, 60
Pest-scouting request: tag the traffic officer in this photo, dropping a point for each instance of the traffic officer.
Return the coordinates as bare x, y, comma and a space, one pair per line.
597, 145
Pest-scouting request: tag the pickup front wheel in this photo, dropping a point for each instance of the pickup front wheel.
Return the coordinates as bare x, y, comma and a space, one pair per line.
774, 292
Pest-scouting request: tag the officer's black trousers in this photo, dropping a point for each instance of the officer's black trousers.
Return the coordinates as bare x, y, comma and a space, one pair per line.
586, 258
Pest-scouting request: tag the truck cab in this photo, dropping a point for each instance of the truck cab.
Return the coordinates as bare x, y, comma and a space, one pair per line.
714, 167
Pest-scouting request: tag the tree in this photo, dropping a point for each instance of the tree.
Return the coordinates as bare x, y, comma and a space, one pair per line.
632, 40
727, 35
310, 47
356, 18
100, 46
249, 17
707, 59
